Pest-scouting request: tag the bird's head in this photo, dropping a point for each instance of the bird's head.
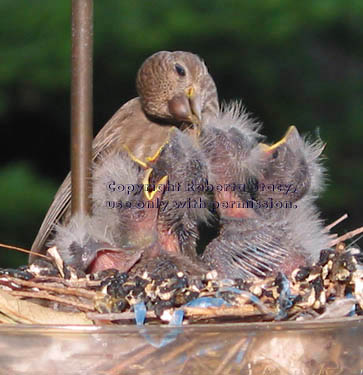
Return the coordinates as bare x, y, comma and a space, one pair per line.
181, 159
286, 164
176, 87
125, 201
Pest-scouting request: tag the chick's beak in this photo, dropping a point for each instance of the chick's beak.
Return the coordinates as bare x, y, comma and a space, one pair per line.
186, 107
291, 135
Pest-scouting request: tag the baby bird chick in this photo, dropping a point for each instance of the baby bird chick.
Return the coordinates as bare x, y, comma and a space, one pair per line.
258, 239
185, 199
123, 225
234, 159
292, 179
291, 169
124, 232
303, 177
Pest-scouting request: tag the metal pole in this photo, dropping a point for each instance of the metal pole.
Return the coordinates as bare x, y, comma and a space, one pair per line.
81, 104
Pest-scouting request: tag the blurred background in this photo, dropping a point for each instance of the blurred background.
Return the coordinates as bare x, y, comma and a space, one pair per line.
291, 62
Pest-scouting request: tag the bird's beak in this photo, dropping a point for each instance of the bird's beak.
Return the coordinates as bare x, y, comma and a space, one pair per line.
134, 158
187, 107
195, 103
292, 136
155, 157
157, 193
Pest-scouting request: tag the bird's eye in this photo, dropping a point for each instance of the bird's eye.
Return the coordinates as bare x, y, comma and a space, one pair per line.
275, 155
180, 70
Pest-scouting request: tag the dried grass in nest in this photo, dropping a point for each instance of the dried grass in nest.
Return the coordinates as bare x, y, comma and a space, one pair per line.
34, 295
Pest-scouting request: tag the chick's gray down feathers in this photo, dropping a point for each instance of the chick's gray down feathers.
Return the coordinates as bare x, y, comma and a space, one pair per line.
255, 239
230, 144
124, 231
120, 222
175, 89
185, 200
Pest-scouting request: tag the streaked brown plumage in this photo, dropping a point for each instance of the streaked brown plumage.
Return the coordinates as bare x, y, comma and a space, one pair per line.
175, 89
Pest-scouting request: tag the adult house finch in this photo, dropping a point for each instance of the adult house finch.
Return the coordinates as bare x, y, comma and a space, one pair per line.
175, 89
123, 231
185, 199
256, 239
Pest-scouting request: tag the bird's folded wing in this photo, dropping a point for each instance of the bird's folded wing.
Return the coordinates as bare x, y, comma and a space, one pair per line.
103, 142
239, 254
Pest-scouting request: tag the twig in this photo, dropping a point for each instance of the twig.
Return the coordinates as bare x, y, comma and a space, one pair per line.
355, 241
50, 297
214, 312
334, 223
117, 316
23, 250
346, 236
79, 283
79, 292
57, 259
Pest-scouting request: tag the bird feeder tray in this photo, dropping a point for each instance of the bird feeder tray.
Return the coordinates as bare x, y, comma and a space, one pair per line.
304, 348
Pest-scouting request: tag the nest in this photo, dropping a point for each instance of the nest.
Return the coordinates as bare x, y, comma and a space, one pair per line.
49, 292
52, 293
